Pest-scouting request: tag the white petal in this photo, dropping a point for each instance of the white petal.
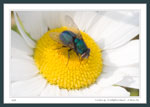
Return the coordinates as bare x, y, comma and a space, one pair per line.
28, 40
22, 69
114, 29
55, 91
93, 90
84, 20
125, 55
52, 19
28, 88
15, 53
76, 93
109, 91
130, 82
64, 92
56, 19
33, 23
51, 91
132, 71
19, 46
96, 91
112, 75
114, 91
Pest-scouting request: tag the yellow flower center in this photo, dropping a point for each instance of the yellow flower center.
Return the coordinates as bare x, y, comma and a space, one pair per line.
71, 73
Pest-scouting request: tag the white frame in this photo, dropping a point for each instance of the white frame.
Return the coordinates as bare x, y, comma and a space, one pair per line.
41, 7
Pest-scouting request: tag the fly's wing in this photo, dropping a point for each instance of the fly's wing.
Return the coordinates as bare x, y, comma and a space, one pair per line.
55, 37
72, 26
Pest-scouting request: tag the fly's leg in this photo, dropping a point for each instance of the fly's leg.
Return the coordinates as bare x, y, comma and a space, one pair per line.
68, 56
48, 28
80, 59
60, 47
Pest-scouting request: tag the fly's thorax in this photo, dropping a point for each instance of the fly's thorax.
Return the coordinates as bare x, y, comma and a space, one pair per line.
80, 46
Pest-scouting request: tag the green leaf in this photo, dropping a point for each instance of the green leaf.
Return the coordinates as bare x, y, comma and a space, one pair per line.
14, 27
133, 92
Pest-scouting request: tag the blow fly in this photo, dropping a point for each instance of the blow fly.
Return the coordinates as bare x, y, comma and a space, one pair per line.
72, 38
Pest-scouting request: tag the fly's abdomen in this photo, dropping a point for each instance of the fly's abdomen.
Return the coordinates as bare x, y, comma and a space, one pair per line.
67, 37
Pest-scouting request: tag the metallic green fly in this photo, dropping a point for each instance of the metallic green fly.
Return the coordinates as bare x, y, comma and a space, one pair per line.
72, 38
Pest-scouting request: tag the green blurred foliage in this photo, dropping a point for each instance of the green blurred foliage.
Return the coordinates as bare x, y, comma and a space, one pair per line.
133, 92
14, 27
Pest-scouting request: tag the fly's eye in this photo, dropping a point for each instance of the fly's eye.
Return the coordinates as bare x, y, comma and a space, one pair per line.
86, 54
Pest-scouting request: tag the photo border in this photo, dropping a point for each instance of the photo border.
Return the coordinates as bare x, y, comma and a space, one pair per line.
13, 100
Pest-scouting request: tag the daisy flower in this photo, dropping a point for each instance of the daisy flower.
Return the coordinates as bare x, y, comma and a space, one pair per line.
39, 68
